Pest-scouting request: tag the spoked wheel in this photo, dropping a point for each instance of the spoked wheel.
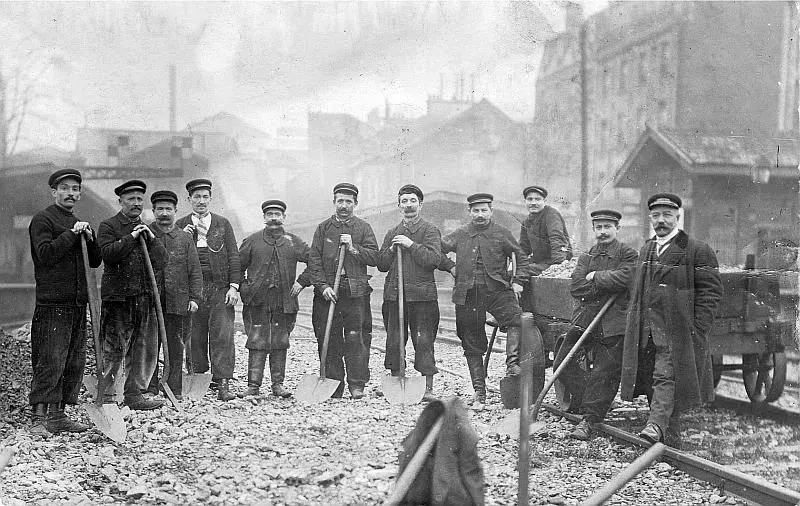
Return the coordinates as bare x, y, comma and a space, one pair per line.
764, 375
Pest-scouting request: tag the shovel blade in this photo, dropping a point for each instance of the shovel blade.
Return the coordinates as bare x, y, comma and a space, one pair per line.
403, 390
195, 386
108, 420
509, 425
90, 383
312, 389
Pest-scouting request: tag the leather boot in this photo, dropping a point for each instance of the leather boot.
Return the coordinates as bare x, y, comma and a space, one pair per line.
256, 361
478, 375
57, 421
224, 393
39, 421
512, 351
277, 371
428, 395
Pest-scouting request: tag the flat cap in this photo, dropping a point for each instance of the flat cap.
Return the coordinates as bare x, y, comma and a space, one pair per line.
134, 185
534, 188
164, 195
273, 204
198, 184
606, 214
480, 198
410, 188
664, 199
346, 188
57, 176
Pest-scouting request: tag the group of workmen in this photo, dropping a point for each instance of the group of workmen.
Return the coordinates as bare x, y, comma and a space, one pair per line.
652, 340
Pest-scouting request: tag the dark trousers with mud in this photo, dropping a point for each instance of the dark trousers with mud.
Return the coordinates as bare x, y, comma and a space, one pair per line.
212, 334
422, 322
58, 354
657, 370
272, 341
177, 327
471, 317
129, 330
347, 348
592, 394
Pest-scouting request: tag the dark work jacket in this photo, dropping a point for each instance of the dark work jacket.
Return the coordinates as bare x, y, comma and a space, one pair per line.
496, 245
686, 280
125, 273
57, 258
613, 265
222, 250
255, 254
452, 474
544, 237
419, 261
324, 254
183, 279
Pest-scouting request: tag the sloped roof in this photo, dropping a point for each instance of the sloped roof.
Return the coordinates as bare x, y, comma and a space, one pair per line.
159, 155
45, 154
227, 123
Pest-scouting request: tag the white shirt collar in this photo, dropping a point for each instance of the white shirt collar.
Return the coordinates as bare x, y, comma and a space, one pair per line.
664, 240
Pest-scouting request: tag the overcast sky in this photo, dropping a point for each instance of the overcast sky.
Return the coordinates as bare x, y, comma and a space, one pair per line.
269, 63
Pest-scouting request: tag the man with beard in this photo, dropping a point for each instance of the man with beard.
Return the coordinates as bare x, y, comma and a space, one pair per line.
58, 329
269, 294
602, 272
347, 338
212, 325
183, 285
421, 243
482, 249
675, 296
129, 326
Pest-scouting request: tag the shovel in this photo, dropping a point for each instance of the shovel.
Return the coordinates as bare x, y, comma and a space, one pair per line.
414, 466
195, 385
399, 389
312, 388
162, 329
106, 417
509, 425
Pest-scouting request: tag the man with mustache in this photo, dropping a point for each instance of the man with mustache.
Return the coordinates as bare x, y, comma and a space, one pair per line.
482, 249
212, 324
348, 341
183, 285
422, 252
674, 299
269, 294
602, 272
58, 329
129, 325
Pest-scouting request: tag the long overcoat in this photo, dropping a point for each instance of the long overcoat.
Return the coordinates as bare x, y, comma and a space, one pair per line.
685, 280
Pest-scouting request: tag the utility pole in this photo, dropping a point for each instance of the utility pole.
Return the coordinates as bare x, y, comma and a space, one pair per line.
584, 199
3, 124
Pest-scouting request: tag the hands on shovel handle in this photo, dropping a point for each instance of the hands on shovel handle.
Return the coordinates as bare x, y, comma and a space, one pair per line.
162, 332
401, 309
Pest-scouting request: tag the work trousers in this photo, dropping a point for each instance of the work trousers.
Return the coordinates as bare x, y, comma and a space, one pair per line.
177, 327
471, 317
594, 393
212, 334
422, 323
58, 354
663, 411
129, 330
262, 315
347, 347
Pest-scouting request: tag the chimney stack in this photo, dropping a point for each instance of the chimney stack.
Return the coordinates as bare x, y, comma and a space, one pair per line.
173, 98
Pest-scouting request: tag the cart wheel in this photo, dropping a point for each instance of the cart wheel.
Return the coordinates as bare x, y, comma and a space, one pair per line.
716, 364
764, 375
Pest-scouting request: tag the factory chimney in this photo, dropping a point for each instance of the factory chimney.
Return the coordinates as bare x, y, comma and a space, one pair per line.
173, 98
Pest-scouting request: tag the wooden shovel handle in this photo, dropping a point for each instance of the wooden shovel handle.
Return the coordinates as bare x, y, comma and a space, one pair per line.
401, 311
91, 290
414, 466
331, 308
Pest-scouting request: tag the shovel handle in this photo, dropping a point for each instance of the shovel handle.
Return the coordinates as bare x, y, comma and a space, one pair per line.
162, 329
414, 466
489, 350
331, 308
401, 314
526, 381
91, 290
572, 352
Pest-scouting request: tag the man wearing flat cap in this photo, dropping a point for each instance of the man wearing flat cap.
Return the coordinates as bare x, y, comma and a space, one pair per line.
182, 285
421, 242
129, 327
58, 329
269, 293
675, 296
212, 325
602, 272
482, 250
348, 348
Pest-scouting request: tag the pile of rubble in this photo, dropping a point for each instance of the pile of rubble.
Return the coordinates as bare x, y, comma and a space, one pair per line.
15, 374
562, 270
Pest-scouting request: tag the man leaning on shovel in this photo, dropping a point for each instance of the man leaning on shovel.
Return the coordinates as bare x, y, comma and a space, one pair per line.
421, 243
58, 330
129, 327
182, 286
269, 293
